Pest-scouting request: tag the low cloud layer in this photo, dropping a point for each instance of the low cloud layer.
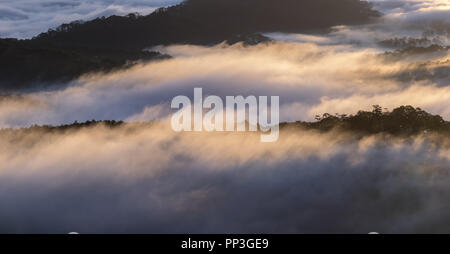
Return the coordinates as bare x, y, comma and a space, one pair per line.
341, 72
149, 180
309, 78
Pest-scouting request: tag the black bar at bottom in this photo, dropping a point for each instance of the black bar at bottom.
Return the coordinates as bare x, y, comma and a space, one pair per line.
227, 243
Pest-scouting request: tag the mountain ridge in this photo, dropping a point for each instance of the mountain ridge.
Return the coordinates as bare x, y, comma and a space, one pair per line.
106, 44
206, 22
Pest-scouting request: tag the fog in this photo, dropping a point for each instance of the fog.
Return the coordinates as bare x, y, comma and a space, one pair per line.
137, 179
310, 79
145, 178
340, 72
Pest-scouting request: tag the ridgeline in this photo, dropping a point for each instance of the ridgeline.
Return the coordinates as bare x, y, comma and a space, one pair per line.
110, 43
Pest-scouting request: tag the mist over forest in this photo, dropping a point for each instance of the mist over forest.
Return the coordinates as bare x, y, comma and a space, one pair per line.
85, 137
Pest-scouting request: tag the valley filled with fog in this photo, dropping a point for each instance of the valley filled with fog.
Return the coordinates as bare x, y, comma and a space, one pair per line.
142, 177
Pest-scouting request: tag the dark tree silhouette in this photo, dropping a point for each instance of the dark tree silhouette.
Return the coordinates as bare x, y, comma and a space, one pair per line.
402, 121
209, 22
105, 44
405, 120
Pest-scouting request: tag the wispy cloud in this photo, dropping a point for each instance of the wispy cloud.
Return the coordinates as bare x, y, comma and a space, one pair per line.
308, 77
136, 179
149, 179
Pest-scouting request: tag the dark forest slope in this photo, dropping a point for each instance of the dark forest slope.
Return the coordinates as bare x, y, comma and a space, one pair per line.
24, 65
402, 121
104, 44
210, 21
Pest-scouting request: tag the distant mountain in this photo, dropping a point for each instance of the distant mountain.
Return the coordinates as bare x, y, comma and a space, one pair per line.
105, 44
210, 21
